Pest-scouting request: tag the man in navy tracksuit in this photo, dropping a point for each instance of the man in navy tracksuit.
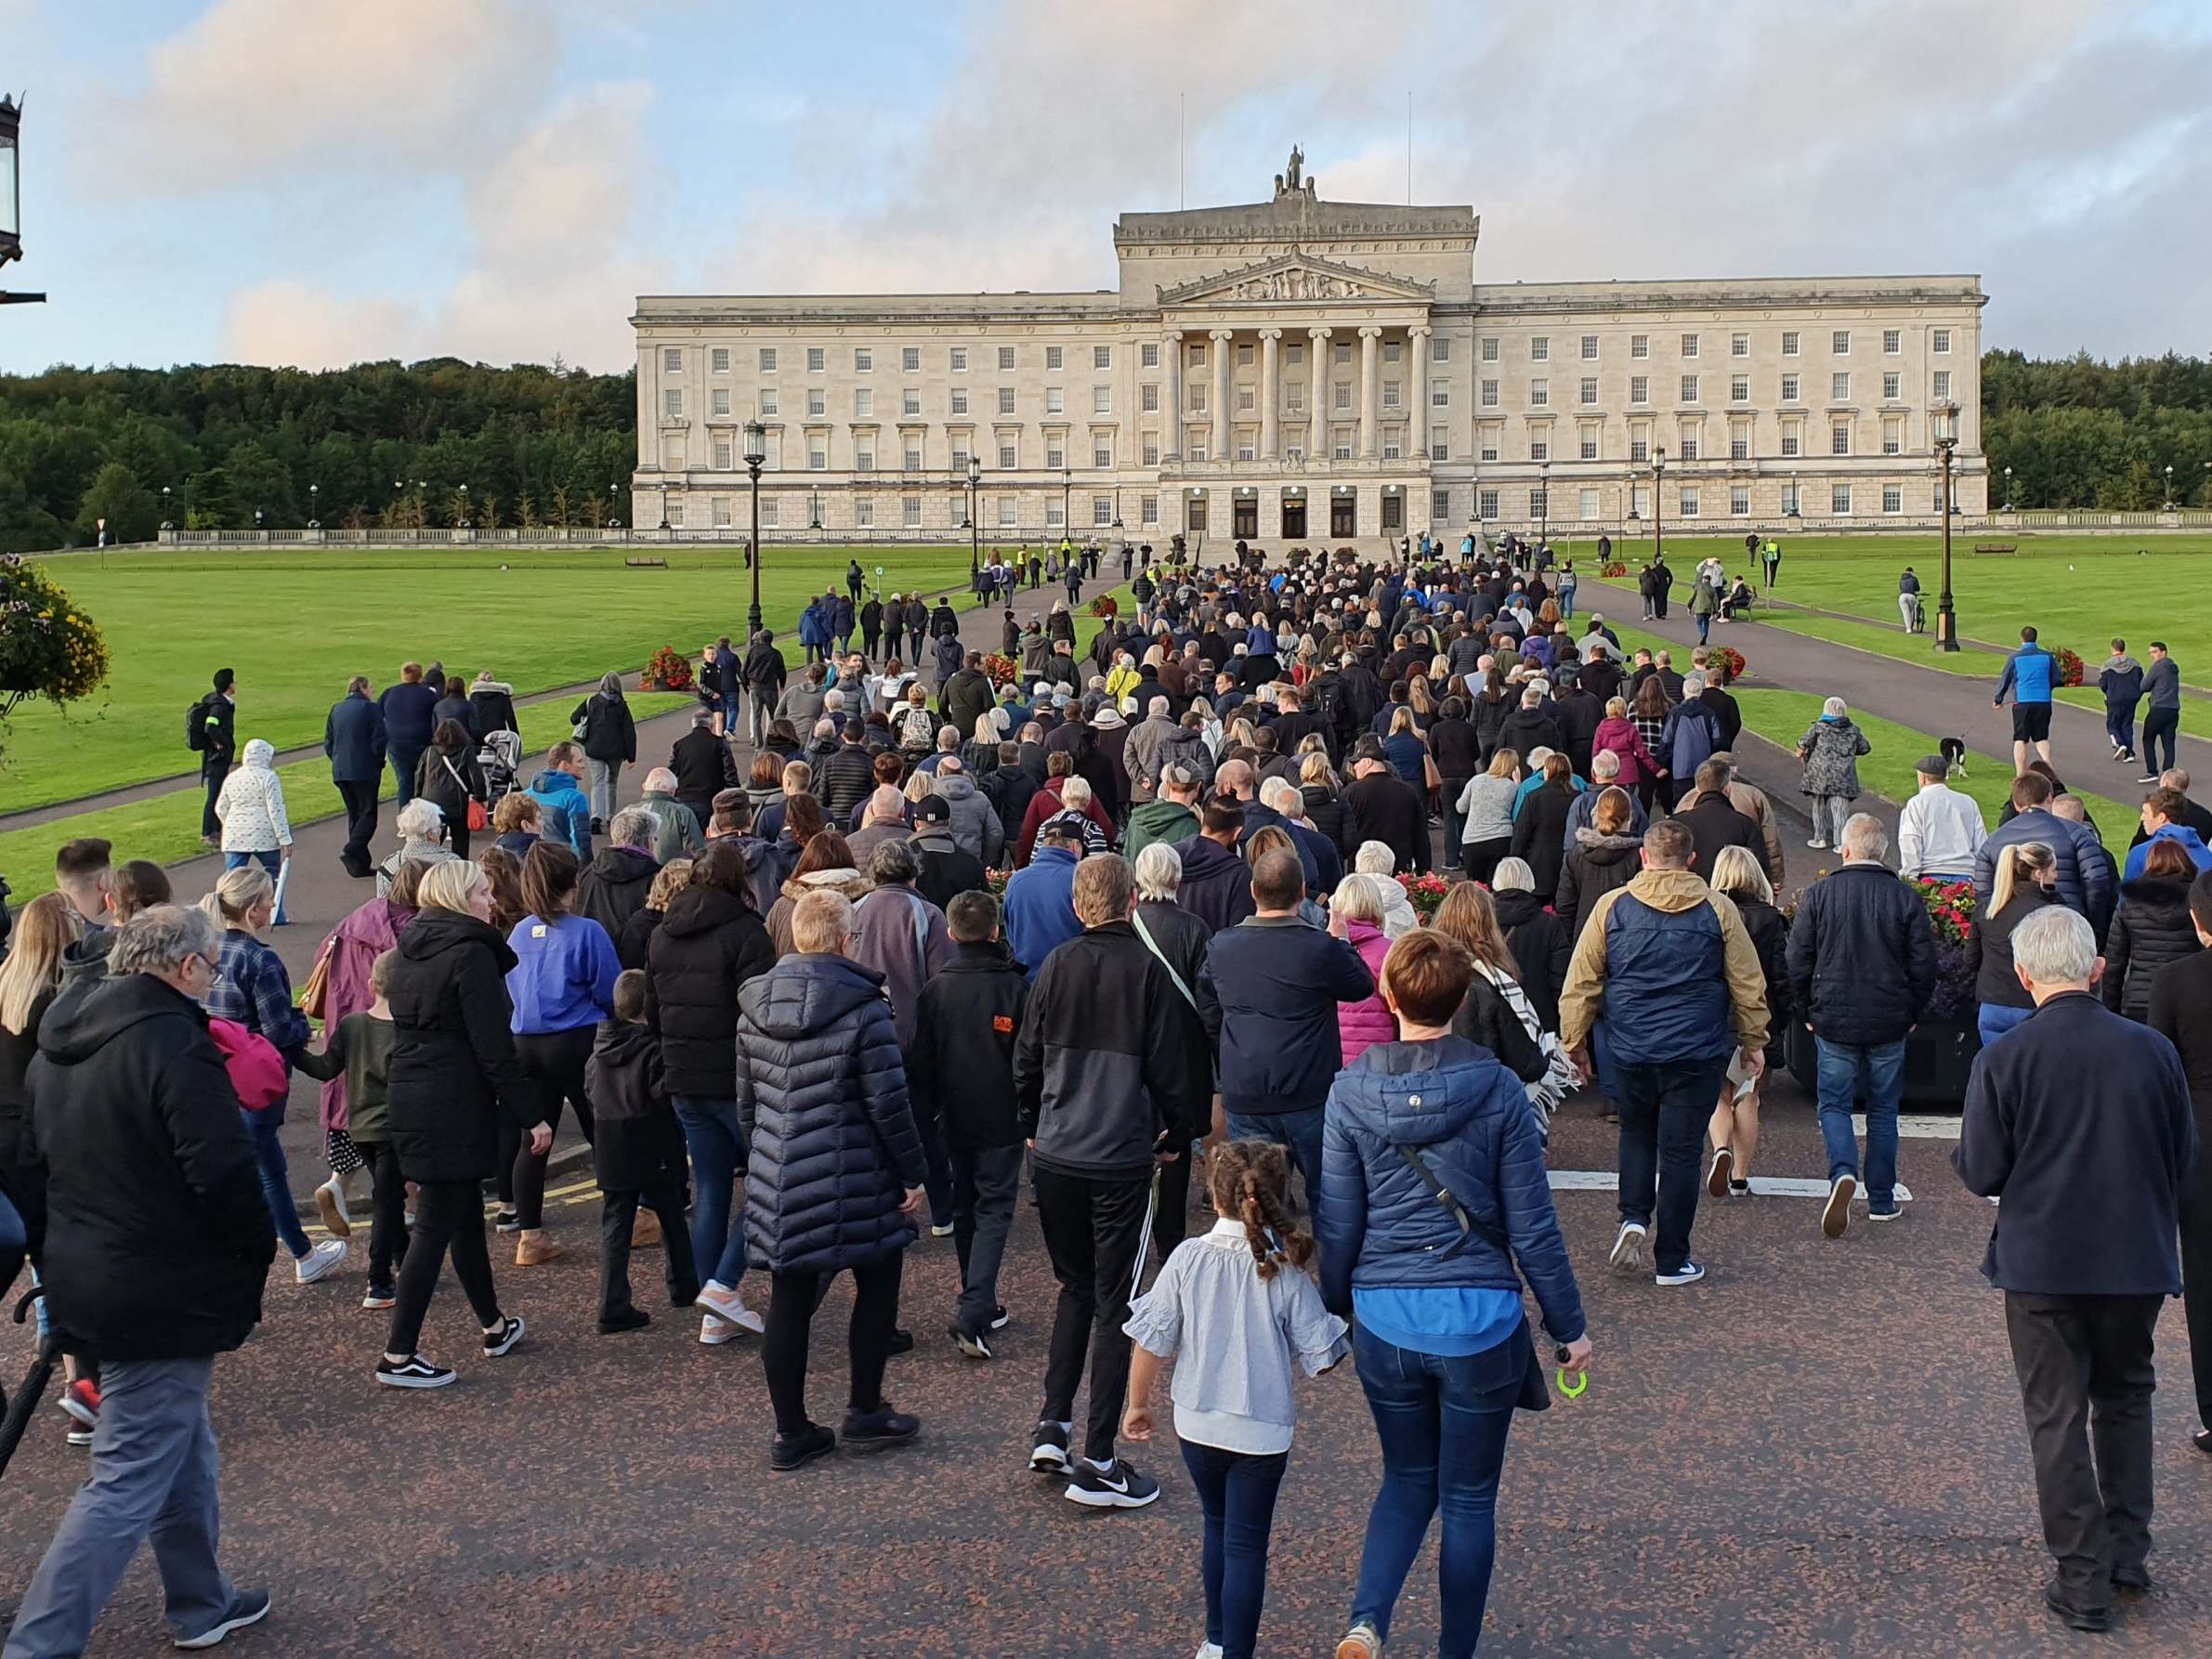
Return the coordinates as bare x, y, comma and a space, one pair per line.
2121, 680
2029, 674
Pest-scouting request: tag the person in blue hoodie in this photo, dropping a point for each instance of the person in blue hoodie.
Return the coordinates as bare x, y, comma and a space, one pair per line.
1041, 898
562, 985
564, 811
2166, 815
2030, 673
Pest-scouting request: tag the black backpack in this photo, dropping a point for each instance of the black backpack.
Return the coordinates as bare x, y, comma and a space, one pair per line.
195, 727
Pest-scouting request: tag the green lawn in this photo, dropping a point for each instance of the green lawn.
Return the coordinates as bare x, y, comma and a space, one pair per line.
296, 624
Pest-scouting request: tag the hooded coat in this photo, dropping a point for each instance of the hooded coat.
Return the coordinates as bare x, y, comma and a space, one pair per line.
1217, 883
351, 951
454, 1065
850, 882
614, 887
1598, 863
821, 1093
2151, 930
975, 828
1831, 748
1363, 1023
1541, 947
610, 731
708, 945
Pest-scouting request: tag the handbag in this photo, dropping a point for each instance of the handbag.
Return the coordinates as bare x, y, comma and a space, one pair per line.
475, 813
314, 997
1536, 1391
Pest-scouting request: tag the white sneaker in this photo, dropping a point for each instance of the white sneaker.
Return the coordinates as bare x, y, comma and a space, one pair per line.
319, 1261
1209, 1649
1628, 1246
330, 1199
1835, 1220
730, 1307
1816, 841
713, 1332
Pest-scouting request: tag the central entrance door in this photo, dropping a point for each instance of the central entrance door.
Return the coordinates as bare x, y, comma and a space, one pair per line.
1294, 520
1246, 518
1344, 516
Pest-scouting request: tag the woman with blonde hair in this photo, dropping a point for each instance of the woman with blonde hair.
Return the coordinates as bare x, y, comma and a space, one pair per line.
1735, 1128
2026, 880
30, 979
1407, 752
634, 945
1486, 811
1355, 917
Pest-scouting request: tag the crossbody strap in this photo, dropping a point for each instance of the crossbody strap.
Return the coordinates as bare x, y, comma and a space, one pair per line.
1471, 1225
1152, 945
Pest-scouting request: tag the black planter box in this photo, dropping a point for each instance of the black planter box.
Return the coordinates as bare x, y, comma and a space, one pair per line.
1939, 1057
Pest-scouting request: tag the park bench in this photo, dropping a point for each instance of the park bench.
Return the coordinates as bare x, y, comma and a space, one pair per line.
647, 564
1985, 548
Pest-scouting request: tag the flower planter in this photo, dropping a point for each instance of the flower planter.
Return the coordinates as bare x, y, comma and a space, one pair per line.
1939, 1056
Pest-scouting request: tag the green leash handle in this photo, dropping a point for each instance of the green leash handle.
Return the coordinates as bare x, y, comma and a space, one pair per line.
1573, 1385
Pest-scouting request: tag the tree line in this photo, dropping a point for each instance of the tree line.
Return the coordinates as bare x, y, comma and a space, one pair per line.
443, 443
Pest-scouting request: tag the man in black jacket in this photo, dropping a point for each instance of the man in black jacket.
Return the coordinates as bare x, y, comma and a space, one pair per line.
2079, 1120
1105, 1093
944, 870
1379, 806
1862, 967
1713, 821
353, 739
215, 718
407, 726
1577, 714
764, 671
2181, 1011
847, 777
615, 883
704, 766
157, 1244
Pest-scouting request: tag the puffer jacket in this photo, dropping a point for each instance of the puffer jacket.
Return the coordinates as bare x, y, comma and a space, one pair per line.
822, 1095
1363, 1023
1185, 748
2149, 930
1770, 937
1598, 863
847, 778
850, 882
708, 946
1325, 813
2083, 874
975, 827
564, 812
1862, 956
252, 805
454, 1065
1831, 749
1470, 1120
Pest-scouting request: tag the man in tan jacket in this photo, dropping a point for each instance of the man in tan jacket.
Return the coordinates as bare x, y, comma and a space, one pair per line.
1666, 964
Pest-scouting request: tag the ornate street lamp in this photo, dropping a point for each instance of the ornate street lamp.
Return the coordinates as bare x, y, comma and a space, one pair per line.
2169, 488
1658, 506
1945, 433
974, 529
314, 509
166, 521
614, 519
11, 196
1543, 523
663, 504
757, 451
2008, 489
1067, 483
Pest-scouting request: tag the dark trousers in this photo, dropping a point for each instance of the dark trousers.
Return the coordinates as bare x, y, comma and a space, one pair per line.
361, 822
1663, 1110
1093, 1228
792, 1297
2160, 726
387, 1211
914, 648
1171, 1216
618, 1216
554, 1061
2086, 1377
937, 1174
1236, 1495
212, 773
448, 1215
404, 762
2119, 726
986, 1182
2196, 1283
1481, 858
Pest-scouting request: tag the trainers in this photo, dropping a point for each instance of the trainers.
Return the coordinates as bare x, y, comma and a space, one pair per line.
730, 1307
413, 1372
970, 1344
630, 1319
319, 1261
81, 1400
1817, 844
1836, 1219
1119, 1487
999, 1318
1360, 1642
1894, 1211
2149, 778
1208, 1650
504, 1220
796, 1451
330, 1198
497, 1343
1716, 1178
251, 1608
1738, 1189
1689, 1272
873, 1430
379, 1299
78, 1435
1049, 1455
1627, 1255
532, 1248
713, 1332
902, 1341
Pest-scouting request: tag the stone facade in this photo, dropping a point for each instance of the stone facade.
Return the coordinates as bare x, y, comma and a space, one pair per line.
1187, 398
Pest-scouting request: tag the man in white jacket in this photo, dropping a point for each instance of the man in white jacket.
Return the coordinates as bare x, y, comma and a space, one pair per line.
1941, 830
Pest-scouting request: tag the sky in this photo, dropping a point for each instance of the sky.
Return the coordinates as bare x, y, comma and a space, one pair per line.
316, 182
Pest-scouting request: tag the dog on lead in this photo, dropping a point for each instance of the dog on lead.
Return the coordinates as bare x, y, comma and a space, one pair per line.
1954, 753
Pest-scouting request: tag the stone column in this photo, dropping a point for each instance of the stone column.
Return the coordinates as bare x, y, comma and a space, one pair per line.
1219, 449
1417, 344
1172, 444
1370, 364
1316, 432
1271, 392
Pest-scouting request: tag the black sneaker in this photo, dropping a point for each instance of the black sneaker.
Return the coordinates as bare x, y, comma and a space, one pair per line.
629, 1319
796, 1451
251, 1608
2093, 1620
506, 1221
1120, 1487
873, 1430
902, 1341
497, 1343
971, 1343
413, 1372
1049, 1455
2134, 1580
999, 1318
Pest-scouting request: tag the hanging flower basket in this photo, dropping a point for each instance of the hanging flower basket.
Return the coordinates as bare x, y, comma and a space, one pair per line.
1425, 893
2069, 665
667, 672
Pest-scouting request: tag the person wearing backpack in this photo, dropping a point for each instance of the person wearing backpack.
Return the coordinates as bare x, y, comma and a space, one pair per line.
211, 731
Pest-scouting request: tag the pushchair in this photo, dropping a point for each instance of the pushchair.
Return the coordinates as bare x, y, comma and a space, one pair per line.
500, 759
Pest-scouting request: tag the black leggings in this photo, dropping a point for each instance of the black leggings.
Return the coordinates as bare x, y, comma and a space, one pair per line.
792, 1298
387, 1211
1480, 858
554, 1061
447, 1215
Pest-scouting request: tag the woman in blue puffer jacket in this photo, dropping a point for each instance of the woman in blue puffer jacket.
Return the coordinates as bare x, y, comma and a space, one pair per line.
1432, 1193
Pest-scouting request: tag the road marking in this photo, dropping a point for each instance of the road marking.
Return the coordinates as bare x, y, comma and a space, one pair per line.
1762, 1186
1911, 1128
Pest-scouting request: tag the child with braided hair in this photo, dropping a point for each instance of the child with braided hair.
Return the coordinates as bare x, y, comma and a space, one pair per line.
1239, 1321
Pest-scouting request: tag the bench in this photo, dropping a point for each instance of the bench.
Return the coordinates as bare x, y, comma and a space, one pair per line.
647, 564
1983, 549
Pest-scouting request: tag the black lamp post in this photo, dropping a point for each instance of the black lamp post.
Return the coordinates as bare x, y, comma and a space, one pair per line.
1543, 522
664, 504
1797, 497
757, 451
11, 197
1658, 506
467, 523
314, 507
614, 520
1067, 483
2169, 488
166, 522
1945, 436
2009, 490
974, 529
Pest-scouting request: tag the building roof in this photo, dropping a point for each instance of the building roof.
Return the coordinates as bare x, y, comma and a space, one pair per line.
1294, 214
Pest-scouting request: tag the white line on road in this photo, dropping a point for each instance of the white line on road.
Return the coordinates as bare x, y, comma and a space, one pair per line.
1762, 1186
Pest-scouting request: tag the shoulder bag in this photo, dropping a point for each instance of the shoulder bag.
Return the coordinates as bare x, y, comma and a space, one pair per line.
478, 816
1535, 1392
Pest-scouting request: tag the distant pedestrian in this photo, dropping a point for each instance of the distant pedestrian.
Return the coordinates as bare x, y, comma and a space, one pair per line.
1830, 751
2181, 1011
1941, 830
408, 723
353, 739
609, 743
251, 808
2030, 675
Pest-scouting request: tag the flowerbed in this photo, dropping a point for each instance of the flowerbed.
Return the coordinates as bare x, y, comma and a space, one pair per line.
1950, 913
1425, 893
1614, 571
667, 672
2069, 665
1731, 657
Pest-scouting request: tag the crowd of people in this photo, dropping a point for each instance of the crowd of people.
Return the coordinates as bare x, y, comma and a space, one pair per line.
1124, 924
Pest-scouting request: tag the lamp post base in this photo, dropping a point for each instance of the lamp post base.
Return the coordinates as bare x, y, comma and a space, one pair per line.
1946, 626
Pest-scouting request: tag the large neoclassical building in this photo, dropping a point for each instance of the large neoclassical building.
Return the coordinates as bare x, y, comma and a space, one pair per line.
1297, 368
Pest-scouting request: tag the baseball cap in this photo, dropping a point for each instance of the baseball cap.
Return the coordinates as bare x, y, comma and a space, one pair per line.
933, 809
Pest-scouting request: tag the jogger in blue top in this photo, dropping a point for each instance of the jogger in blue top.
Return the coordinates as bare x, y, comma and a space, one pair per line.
2030, 673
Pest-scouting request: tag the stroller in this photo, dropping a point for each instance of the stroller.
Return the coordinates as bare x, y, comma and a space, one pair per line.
501, 759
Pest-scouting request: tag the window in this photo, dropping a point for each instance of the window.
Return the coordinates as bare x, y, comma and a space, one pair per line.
1689, 443
1839, 499
818, 403
1056, 401
1588, 443
864, 460
1342, 449
1939, 341
1540, 349
1489, 446
1006, 359
912, 461
1840, 439
960, 463
909, 511
1589, 391
1439, 444
864, 512
1789, 497
1056, 456
1148, 354
1789, 388
1390, 451
1892, 437
1793, 438
1005, 399
720, 404
1739, 500
1639, 389
1248, 399
1198, 354
1739, 443
910, 362
721, 512
1590, 349
1689, 389
818, 460
1148, 397
960, 359
1790, 343
863, 360
1102, 453
1942, 382
671, 403
1343, 391
815, 361
1056, 514
910, 400
768, 359
1840, 342
1151, 451
1739, 388
1294, 352
1890, 383
1007, 460
1640, 345
1892, 498
768, 513
1102, 357
1893, 342
1390, 352
1490, 394
724, 458
1440, 506
960, 400
1101, 509
1489, 348
1739, 345
1935, 498
1102, 399
1147, 509
676, 512
864, 403
1244, 356
1539, 448
719, 359
1344, 352
1390, 393
770, 402
1688, 501
1638, 448
1840, 387
1539, 503
1009, 512
1539, 393
1440, 351
1585, 505
1440, 393
1487, 504
1689, 345
672, 359
1052, 360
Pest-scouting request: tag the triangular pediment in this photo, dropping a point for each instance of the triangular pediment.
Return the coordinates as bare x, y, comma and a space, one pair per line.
1292, 279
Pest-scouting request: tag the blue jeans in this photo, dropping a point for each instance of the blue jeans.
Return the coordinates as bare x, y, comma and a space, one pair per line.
276, 1176
1566, 604
271, 862
2119, 726
718, 1153
1443, 1423
1993, 1020
1300, 1131
1705, 625
14, 1242
1664, 1109
1236, 1494
1843, 1066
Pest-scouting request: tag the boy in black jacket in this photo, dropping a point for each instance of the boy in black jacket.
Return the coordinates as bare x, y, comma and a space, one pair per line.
639, 1151
961, 1068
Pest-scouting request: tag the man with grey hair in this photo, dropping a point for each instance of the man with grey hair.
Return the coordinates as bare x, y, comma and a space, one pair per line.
615, 883
676, 829
1139, 751
902, 937
2079, 1120
1282, 805
1862, 968
158, 1242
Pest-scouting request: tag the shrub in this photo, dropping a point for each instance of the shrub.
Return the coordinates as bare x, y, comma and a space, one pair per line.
2069, 665
49, 647
1106, 605
1731, 657
667, 672
1614, 571
1002, 669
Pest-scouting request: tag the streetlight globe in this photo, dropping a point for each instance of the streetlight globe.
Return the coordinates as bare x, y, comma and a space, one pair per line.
975, 470
756, 443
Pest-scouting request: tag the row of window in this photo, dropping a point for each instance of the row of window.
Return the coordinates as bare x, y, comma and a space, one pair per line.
1689, 386
1739, 345
1689, 502
909, 359
721, 512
